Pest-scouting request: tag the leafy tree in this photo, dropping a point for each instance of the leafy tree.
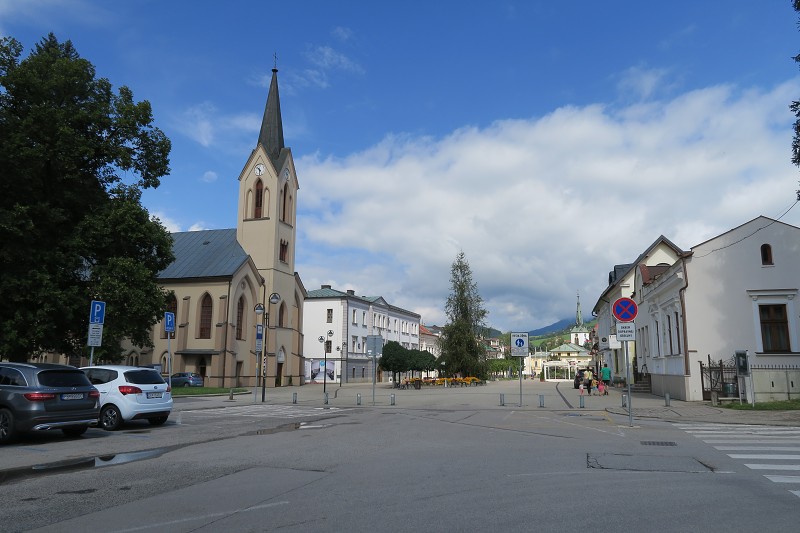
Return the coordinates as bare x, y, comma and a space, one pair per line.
459, 344
71, 228
394, 359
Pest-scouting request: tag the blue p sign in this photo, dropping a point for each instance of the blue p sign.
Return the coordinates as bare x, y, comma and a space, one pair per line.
169, 322
97, 312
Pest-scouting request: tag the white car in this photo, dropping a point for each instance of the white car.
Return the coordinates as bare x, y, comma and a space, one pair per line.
130, 393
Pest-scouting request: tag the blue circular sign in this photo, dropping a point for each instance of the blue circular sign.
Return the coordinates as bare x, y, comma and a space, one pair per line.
624, 310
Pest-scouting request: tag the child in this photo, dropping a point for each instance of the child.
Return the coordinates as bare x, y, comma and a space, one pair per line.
601, 388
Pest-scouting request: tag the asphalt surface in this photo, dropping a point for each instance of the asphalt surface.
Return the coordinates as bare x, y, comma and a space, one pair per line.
536, 395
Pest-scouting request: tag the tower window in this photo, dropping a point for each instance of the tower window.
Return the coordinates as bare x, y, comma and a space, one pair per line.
284, 251
240, 318
259, 200
766, 254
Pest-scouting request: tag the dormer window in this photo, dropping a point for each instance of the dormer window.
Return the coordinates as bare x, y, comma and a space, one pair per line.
766, 254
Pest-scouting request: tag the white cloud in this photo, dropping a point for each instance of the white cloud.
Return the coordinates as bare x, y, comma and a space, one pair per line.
209, 176
342, 34
327, 58
197, 123
171, 225
198, 226
544, 207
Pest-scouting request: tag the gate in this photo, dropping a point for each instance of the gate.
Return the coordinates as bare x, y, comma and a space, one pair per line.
720, 377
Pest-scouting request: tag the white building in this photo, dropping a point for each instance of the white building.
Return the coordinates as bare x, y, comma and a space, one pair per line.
733, 292
344, 321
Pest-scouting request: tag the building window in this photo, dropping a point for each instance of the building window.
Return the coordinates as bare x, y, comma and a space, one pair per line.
766, 254
363, 318
355, 317
330, 316
774, 328
678, 331
282, 315
284, 251
259, 200
240, 318
328, 346
205, 317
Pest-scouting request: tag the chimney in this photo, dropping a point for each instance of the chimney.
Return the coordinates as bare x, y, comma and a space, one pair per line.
351, 292
326, 286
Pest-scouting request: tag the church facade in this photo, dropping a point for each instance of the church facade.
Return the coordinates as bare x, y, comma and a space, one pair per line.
235, 290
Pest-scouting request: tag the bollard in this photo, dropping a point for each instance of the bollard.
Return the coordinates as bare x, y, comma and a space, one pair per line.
624, 400
666, 399
294, 397
541, 400
582, 401
326, 398
391, 399
230, 397
358, 399
502, 399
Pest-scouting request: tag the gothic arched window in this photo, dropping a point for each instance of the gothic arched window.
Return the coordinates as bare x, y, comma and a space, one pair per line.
205, 317
766, 254
258, 200
240, 318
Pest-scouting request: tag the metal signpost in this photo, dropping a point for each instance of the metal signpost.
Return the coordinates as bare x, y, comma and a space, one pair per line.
519, 348
97, 315
259, 351
625, 311
375, 350
169, 329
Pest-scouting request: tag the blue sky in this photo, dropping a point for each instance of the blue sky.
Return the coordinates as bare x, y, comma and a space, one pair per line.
547, 140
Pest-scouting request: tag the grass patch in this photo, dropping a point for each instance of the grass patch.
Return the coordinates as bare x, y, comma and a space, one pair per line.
788, 405
190, 391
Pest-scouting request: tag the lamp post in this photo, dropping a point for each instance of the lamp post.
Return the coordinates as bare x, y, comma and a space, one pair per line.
322, 339
263, 312
344, 372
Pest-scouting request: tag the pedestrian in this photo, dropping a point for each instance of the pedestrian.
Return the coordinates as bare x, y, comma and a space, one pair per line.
601, 388
605, 377
587, 380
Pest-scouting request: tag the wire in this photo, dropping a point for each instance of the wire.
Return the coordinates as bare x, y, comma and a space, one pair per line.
750, 235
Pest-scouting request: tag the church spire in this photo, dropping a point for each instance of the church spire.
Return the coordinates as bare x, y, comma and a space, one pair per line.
271, 135
578, 315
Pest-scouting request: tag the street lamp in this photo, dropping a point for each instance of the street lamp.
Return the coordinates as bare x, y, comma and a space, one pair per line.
321, 339
263, 312
344, 371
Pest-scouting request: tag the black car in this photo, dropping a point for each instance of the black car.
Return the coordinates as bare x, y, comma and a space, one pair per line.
43, 396
578, 379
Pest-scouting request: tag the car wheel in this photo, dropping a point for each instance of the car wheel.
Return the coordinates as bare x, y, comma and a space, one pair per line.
7, 431
185, 385
75, 432
157, 421
110, 418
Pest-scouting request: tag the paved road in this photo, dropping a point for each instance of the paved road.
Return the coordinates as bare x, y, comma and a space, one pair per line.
436, 460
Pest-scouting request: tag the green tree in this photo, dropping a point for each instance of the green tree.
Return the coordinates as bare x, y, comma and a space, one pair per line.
71, 228
459, 344
394, 359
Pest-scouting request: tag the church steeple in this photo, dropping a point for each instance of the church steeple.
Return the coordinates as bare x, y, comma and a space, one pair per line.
578, 315
271, 135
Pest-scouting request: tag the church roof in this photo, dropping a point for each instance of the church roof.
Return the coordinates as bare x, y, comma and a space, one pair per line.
569, 348
271, 134
205, 254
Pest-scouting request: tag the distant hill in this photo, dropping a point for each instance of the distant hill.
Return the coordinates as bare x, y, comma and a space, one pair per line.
553, 328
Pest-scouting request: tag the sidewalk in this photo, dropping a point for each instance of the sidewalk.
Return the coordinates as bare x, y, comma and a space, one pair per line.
557, 396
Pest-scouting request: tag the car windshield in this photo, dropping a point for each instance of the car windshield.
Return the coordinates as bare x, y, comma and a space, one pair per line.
63, 378
143, 377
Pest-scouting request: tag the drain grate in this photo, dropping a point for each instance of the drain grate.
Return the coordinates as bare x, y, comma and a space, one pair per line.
658, 443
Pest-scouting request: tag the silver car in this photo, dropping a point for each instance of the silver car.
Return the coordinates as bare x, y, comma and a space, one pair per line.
42, 397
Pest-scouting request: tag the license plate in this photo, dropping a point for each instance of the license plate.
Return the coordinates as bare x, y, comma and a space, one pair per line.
76, 396
154, 394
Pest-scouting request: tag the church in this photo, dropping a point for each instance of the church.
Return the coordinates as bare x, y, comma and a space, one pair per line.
230, 285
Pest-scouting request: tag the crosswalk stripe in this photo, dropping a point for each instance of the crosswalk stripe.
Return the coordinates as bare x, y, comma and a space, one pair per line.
776, 457
754, 438
758, 448
783, 479
757, 466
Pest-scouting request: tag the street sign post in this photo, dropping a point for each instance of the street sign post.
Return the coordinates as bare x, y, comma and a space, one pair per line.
625, 311
169, 329
97, 316
519, 348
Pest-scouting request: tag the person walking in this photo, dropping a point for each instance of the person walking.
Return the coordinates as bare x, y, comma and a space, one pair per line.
587, 380
605, 377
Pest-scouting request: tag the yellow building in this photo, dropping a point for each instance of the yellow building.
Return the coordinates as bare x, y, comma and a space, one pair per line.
220, 276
